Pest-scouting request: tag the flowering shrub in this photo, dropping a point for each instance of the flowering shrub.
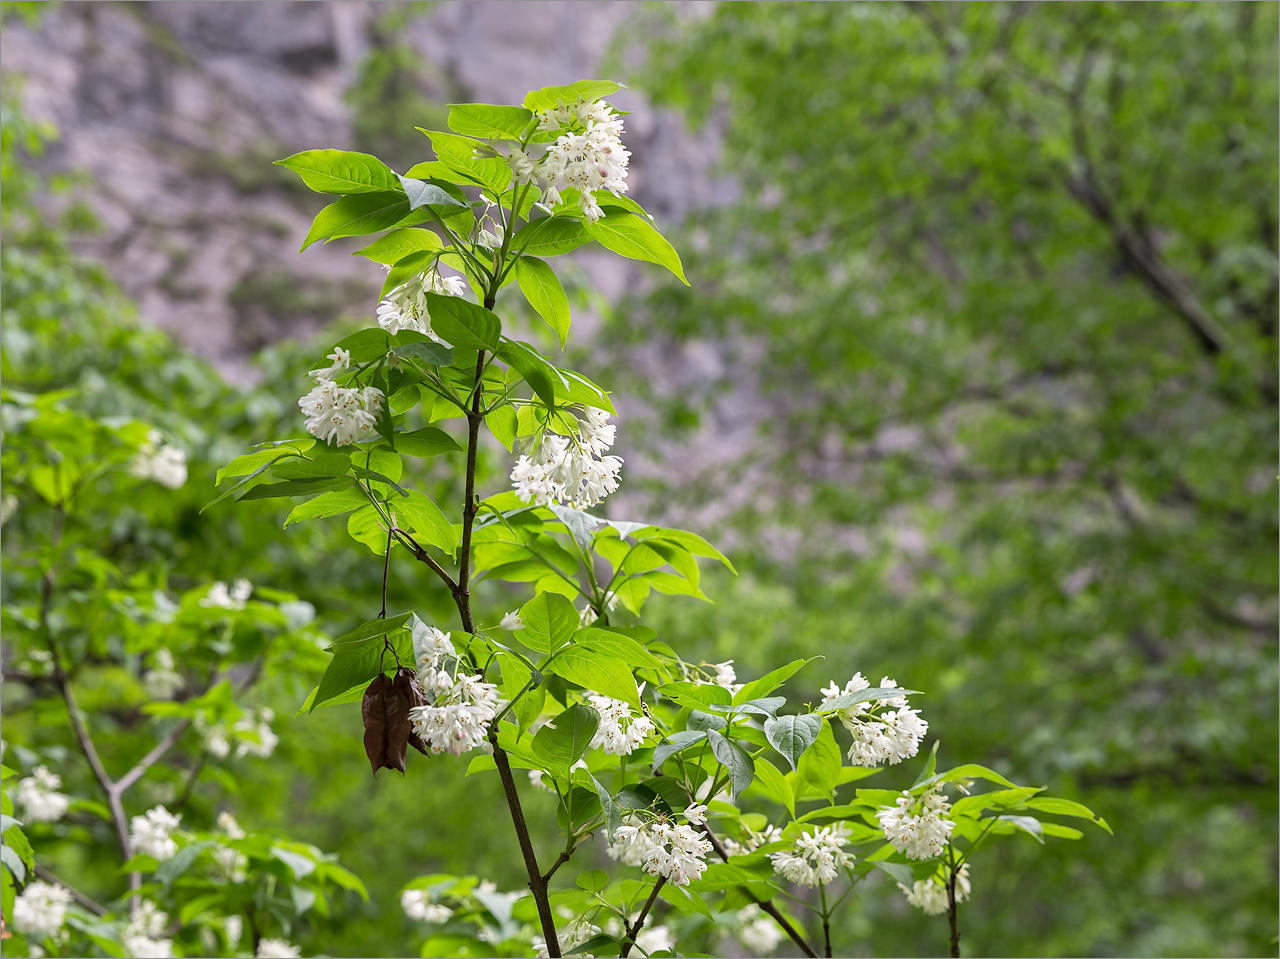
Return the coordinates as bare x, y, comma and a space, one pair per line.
648, 752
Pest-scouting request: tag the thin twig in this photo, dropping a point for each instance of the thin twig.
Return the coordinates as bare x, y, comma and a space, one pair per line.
94, 907
151, 758
951, 904
630, 936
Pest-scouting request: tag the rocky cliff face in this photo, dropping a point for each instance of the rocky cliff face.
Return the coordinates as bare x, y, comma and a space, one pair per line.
175, 110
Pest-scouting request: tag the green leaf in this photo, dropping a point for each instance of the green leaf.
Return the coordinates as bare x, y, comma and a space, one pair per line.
930, 766
366, 345
360, 214
734, 758
371, 630
542, 288
489, 121
775, 785
819, 765
428, 441
181, 861
697, 695
565, 739
865, 696
605, 676
398, 244
1066, 807
463, 323
503, 424
327, 504
551, 236
427, 520
357, 663
537, 372
792, 735
900, 872
1028, 824
429, 353
770, 681
630, 236
550, 620
456, 153
676, 742
967, 771
297, 487
617, 646
550, 97
593, 881
339, 171
421, 193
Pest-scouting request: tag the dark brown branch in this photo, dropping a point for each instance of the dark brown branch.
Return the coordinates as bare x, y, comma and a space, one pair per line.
560, 861
951, 906
764, 904
630, 936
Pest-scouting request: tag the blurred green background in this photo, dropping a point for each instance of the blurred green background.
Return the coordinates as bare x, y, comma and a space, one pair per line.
976, 382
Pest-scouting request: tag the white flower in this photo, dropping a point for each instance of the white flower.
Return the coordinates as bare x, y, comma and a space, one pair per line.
817, 856
758, 932
341, 360
512, 621
164, 681
405, 307
341, 414
587, 615
41, 909
261, 739
458, 718
491, 239
430, 645
573, 935
696, 814
570, 469
233, 926
165, 464
38, 796
589, 155
234, 598
144, 936
417, 905
227, 823
149, 833
234, 864
917, 827
886, 729
535, 779
277, 949
655, 939
661, 848
930, 895
619, 733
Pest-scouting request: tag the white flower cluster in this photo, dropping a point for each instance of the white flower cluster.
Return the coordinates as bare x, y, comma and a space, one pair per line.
144, 937
512, 620
918, 828
163, 681
38, 797
752, 842
758, 932
234, 598
252, 734
619, 733
235, 864
341, 414
158, 461
405, 307
588, 615
588, 155
817, 857
276, 949
461, 707
571, 469
574, 935
149, 833
886, 729
930, 894
417, 905
661, 848
41, 909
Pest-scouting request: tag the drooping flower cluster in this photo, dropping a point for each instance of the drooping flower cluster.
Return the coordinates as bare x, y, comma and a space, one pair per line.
817, 857
918, 827
930, 894
156, 460
41, 909
405, 307
661, 848
588, 155
38, 797
571, 469
163, 681
144, 936
758, 932
619, 733
341, 414
417, 905
277, 949
885, 729
234, 598
149, 833
752, 841
461, 707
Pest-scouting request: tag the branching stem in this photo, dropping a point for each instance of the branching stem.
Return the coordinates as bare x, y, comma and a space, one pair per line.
633, 930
